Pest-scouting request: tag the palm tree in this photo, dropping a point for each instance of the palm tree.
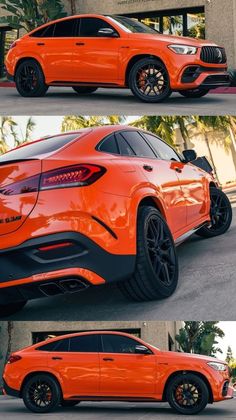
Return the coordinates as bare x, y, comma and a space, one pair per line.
6, 124
9, 130
75, 122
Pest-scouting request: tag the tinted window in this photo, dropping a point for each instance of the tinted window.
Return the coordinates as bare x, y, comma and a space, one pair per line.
124, 148
59, 345
47, 347
46, 32
118, 344
138, 144
162, 149
64, 28
90, 26
85, 343
134, 25
109, 145
48, 145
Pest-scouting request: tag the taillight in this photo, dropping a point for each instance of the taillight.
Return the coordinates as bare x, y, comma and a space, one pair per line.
13, 358
71, 176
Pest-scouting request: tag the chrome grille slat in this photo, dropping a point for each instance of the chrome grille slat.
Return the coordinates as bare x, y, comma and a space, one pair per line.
213, 55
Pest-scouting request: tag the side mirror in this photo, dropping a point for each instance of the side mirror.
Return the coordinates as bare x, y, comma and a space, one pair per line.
108, 32
139, 349
189, 155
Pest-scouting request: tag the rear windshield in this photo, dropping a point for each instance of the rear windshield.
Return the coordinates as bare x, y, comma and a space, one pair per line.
32, 150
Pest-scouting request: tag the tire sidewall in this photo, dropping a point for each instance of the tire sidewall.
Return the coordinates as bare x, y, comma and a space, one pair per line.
55, 389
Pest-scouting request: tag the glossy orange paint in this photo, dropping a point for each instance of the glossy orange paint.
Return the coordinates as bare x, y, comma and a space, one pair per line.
102, 375
106, 61
106, 211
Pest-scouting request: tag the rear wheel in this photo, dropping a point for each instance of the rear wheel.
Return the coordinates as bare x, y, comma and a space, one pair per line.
194, 93
83, 90
156, 272
221, 215
41, 394
29, 78
187, 393
11, 308
149, 80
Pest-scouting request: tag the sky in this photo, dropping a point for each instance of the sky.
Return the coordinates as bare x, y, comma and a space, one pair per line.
229, 328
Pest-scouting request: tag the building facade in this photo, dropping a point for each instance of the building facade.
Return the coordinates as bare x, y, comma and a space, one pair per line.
16, 335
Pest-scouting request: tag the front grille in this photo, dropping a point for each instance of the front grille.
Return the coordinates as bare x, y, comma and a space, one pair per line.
214, 55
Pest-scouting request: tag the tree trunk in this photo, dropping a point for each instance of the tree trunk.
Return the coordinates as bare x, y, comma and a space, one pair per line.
73, 7
10, 327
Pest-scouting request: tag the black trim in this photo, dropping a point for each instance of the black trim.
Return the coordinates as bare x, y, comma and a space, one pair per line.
10, 77
216, 80
115, 398
191, 73
26, 260
10, 391
98, 84
103, 224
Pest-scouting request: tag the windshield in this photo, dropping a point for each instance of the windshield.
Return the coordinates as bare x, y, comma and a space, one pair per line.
133, 25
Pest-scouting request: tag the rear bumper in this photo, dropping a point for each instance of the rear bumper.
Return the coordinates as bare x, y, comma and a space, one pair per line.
7, 390
44, 267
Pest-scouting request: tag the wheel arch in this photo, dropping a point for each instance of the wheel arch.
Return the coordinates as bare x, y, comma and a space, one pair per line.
39, 372
152, 201
22, 59
134, 60
200, 375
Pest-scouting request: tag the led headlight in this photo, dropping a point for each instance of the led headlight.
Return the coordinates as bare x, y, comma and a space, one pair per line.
217, 366
183, 49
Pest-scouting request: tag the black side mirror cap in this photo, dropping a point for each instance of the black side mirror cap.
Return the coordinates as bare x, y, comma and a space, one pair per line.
189, 155
108, 33
139, 349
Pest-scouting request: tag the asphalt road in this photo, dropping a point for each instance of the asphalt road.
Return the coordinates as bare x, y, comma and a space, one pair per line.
14, 409
63, 101
206, 290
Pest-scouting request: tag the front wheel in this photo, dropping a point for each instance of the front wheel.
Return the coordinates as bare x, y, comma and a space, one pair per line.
83, 90
11, 308
194, 93
221, 215
149, 80
29, 78
187, 393
156, 271
41, 394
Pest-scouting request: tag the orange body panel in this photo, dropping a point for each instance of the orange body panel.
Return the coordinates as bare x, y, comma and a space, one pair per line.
88, 375
105, 61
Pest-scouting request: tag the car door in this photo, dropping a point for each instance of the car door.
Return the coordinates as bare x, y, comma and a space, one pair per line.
55, 45
123, 372
76, 361
95, 58
160, 174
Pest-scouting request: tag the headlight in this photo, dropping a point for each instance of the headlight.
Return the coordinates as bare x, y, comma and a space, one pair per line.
217, 366
183, 49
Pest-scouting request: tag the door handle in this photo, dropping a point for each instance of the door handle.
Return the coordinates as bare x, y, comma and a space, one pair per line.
56, 358
148, 168
108, 359
40, 43
80, 43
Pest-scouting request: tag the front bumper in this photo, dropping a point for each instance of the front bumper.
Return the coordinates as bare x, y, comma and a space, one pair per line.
44, 267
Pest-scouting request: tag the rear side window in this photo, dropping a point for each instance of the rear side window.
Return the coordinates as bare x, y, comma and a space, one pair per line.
46, 32
85, 343
124, 147
59, 345
109, 145
64, 28
47, 347
31, 150
138, 144
162, 149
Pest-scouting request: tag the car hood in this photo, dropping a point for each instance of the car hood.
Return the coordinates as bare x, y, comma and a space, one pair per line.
171, 39
196, 357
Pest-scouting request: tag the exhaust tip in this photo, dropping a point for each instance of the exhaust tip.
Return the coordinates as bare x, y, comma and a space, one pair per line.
63, 286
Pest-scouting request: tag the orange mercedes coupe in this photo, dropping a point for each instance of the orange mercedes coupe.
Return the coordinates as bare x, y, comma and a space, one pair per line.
104, 204
111, 366
91, 51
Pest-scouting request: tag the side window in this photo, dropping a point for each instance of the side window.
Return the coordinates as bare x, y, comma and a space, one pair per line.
65, 28
89, 27
85, 343
47, 347
59, 345
46, 32
162, 149
138, 144
118, 344
109, 145
124, 148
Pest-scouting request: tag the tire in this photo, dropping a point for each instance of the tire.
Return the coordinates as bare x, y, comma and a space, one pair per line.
156, 271
187, 393
149, 80
11, 308
83, 90
221, 215
48, 387
194, 93
68, 403
29, 78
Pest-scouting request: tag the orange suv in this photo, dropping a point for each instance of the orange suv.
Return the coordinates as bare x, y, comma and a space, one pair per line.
91, 51
105, 366
100, 205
